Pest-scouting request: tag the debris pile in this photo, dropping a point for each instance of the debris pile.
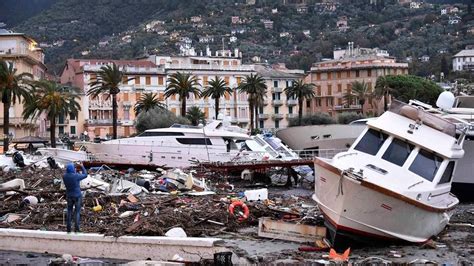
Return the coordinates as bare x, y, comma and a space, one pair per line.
141, 203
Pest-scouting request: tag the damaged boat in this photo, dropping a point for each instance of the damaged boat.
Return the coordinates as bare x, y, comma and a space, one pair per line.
394, 182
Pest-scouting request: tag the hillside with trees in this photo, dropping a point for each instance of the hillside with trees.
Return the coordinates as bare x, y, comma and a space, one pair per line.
123, 29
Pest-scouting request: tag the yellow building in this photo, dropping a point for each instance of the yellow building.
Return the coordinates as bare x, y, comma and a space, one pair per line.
334, 78
278, 109
26, 57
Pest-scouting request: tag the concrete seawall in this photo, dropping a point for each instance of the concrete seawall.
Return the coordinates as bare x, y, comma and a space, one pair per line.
100, 246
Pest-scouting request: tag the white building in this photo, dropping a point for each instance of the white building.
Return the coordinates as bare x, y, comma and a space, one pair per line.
223, 64
464, 60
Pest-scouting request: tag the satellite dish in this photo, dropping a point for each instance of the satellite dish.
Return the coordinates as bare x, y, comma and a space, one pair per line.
445, 100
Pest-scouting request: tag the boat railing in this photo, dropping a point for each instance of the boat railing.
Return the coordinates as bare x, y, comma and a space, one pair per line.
323, 153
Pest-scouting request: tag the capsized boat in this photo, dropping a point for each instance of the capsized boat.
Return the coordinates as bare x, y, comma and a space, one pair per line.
394, 182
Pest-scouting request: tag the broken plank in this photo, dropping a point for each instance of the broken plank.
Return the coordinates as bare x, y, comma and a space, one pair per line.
301, 233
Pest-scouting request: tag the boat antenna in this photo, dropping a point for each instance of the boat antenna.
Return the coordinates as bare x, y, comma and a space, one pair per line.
205, 143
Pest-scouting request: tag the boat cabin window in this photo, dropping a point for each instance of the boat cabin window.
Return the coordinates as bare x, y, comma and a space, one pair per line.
398, 152
426, 164
448, 173
194, 141
160, 134
371, 142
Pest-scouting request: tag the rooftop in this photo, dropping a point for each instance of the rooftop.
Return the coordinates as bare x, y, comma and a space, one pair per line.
467, 52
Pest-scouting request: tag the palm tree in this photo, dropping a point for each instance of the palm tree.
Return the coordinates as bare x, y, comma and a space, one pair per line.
217, 88
362, 92
13, 87
53, 99
183, 85
382, 89
195, 115
147, 102
256, 89
300, 90
108, 80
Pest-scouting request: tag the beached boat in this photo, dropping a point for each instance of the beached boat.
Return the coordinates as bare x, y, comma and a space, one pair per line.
177, 146
394, 182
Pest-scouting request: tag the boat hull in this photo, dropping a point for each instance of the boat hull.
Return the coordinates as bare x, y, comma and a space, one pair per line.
352, 207
155, 155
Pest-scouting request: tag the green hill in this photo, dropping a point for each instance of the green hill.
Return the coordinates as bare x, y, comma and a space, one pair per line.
116, 29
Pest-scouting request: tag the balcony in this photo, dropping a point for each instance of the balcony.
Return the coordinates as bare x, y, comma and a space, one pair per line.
292, 102
277, 102
240, 120
289, 116
127, 104
277, 90
263, 116
100, 105
99, 122
17, 121
277, 116
347, 107
219, 67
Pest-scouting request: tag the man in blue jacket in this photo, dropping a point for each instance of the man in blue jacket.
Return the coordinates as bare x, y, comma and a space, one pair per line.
73, 195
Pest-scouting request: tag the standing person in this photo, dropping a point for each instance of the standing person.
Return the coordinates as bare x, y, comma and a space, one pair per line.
73, 194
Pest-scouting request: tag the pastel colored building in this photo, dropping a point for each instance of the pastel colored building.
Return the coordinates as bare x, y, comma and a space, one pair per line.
278, 109
23, 52
226, 65
334, 78
96, 115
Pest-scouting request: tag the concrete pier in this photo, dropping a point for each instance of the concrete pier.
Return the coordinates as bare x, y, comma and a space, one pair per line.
99, 246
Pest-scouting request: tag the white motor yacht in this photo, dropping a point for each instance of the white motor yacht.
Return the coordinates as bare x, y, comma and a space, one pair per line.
394, 182
177, 146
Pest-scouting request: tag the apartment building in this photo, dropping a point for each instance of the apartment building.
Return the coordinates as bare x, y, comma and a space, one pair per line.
334, 78
22, 51
464, 60
277, 109
224, 64
96, 115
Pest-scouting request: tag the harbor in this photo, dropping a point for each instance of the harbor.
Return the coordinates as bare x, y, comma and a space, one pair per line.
269, 209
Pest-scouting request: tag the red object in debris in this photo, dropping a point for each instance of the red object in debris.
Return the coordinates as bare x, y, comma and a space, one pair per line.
242, 205
312, 249
137, 218
339, 257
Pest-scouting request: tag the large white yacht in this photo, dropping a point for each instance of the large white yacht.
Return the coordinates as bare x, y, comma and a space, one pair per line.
394, 182
177, 146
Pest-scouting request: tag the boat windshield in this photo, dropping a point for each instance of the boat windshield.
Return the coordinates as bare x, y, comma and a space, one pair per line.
371, 142
398, 152
426, 164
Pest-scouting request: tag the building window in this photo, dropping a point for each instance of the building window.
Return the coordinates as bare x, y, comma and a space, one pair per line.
276, 110
273, 96
369, 73
126, 114
73, 130
137, 80
318, 76
290, 109
318, 90
262, 124
329, 102
227, 80
339, 87
329, 89
160, 81
205, 81
329, 75
357, 73
260, 110
275, 83
308, 103
72, 116
348, 73
61, 130
277, 123
287, 84
318, 102
339, 74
